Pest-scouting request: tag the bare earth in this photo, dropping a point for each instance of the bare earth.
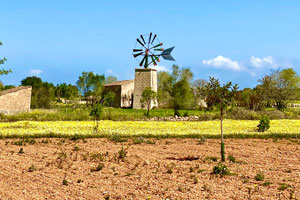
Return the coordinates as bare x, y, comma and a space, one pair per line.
164, 170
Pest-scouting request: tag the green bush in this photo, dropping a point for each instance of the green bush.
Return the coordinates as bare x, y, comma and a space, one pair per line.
221, 169
242, 114
231, 158
259, 177
264, 124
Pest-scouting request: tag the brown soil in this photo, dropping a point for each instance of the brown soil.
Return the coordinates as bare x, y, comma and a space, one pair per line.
169, 169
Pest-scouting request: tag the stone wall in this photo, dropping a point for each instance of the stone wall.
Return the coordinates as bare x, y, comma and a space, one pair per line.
143, 78
123, 93
127, 95
15, 100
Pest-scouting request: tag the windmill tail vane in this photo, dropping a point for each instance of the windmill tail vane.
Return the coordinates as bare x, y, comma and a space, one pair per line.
148, 49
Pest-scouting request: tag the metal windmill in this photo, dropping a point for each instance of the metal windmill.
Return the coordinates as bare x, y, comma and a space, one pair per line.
148, 50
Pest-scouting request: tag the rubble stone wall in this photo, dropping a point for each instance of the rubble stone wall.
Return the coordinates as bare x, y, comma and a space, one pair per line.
15, 100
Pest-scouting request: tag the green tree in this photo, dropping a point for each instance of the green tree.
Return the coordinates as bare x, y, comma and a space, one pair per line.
148, 96
175, 90
220, 97
2, 61
91, 84
281, 87
164, 88
85, 82
182, 93
43, 93
110, 79
197, 87
66, 91
267, 87
287, 83
96, 113
108, 100
252, 99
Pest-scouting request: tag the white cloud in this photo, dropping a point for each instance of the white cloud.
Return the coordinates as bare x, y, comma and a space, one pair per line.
263, 62
160, 68
35, 71
109, 71
222, 62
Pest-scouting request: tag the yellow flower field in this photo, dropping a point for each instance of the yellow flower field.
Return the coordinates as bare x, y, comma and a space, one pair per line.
144, 128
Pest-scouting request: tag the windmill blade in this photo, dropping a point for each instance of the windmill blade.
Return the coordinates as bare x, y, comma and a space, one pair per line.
150, 37
166, 54
139, 41
136, 55
146, 62
141, 63
158, 45
157, 58
161, 49
154, 63
137, 50
143, 39
153, 38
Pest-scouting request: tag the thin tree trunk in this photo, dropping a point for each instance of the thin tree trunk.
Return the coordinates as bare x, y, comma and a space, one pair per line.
222, 138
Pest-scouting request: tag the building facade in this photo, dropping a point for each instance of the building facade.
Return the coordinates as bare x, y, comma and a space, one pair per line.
15, 100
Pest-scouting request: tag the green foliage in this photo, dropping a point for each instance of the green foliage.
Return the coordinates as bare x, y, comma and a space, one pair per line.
21, 151
138, 140
211, 158
65, 182
109, 98
202, 140
217, 95
32, 168
231, 158
110, 79
66, 91
252, 99
96, 112
42, 92
174, 90
283, 186
197, 87
259, 177
117, 138
148, 96
99, 167
221, 97
281, 87
264, 124
91, 84
122, 154
221, 169
267, 183
2, 61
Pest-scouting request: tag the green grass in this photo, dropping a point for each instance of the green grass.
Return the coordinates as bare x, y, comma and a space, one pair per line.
81, 113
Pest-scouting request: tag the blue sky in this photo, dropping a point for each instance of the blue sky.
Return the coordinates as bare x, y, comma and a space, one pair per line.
238, 41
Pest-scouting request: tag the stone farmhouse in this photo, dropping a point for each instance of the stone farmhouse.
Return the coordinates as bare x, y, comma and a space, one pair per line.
15, 100
128, 92
123, 93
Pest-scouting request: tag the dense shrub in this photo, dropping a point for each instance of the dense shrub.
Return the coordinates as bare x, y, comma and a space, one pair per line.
221, 169
264, 124
274, 114
242, 114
